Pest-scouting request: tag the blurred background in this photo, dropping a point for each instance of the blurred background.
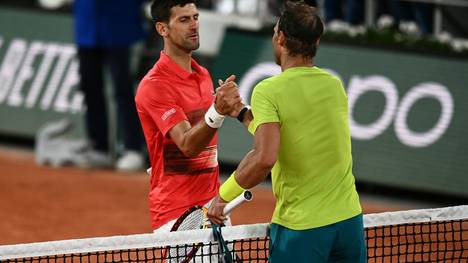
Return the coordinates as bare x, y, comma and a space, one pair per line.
403, 63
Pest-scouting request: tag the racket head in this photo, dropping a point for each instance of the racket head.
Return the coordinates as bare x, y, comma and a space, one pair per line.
193, 218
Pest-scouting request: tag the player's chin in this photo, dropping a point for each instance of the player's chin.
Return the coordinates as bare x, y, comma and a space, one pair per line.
196, 46
192, 45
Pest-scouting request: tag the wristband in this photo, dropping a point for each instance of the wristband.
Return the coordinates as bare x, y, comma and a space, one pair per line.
241, 115
230, 189
213, 118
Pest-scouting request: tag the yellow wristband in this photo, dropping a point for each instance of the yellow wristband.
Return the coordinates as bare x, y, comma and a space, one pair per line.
230, 189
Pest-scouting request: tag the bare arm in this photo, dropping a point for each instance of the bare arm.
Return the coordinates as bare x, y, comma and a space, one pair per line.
192, 140
257, 164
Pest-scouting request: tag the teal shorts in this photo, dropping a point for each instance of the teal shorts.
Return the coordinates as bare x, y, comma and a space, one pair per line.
339, 242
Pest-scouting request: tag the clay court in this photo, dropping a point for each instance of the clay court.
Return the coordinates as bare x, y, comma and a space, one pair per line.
40, 203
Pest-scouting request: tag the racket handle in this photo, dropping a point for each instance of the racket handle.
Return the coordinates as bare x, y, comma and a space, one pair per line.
245, 196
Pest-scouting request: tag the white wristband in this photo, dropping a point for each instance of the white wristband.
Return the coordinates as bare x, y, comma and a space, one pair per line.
213, 118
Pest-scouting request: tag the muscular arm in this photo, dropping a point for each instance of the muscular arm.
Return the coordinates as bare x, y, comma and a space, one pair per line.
257, 164
192, 140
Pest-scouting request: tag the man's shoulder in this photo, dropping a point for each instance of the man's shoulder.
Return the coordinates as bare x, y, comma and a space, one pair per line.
153, 82
271, 85
267, 86
268, 82
203, 69
327, 75
156, 76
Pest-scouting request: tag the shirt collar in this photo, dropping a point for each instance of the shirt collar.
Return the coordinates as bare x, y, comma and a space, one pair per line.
178, 70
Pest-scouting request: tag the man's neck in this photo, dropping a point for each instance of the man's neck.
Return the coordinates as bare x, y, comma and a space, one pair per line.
297, 61
181, 57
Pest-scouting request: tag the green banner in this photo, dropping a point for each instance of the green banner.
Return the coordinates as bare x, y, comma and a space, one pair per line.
38, 72
407, 111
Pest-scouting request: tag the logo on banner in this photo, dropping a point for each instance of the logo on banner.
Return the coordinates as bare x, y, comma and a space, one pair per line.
395, 111
38, 74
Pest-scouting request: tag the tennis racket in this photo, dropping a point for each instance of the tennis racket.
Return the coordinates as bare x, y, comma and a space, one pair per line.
195, 218
224, 251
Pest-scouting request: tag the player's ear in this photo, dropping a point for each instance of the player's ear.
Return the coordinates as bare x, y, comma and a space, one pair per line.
281, 39
162, 28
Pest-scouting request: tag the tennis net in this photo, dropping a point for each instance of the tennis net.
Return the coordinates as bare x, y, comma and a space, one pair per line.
431, 235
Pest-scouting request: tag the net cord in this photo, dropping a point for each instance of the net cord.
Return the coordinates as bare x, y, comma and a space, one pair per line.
141, 241
416, 216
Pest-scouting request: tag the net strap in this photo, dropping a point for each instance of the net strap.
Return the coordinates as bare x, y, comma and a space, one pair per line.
225, 255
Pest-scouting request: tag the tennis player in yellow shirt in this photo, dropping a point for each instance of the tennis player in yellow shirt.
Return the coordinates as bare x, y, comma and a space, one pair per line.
301, 134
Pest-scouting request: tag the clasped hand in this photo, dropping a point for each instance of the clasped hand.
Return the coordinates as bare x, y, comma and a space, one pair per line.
228, 101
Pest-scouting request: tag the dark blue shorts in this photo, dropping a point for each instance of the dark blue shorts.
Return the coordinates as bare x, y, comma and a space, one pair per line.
340, 242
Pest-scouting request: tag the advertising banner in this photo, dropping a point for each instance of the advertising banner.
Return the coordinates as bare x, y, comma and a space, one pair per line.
408, 112
38, 72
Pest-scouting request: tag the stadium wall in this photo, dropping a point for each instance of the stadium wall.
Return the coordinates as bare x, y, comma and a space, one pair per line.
38, 72
408, 111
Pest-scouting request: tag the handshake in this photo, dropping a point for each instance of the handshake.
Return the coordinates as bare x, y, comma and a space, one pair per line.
227, 103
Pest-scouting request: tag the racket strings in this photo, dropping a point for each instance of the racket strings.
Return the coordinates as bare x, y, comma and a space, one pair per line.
194, 219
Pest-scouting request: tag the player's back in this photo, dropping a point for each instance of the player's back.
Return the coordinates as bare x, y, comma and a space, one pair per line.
314, 167
313, 111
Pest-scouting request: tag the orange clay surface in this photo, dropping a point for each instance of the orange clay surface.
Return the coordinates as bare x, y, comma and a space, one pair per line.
39, 203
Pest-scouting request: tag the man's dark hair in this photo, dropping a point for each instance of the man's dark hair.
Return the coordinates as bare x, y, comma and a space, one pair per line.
161, 9
302, 28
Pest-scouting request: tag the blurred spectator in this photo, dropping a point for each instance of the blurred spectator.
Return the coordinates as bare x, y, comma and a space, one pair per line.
421, 13
385, 7
350, 11
275, 5
242, 7
105, 30
405, 14
454, 21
